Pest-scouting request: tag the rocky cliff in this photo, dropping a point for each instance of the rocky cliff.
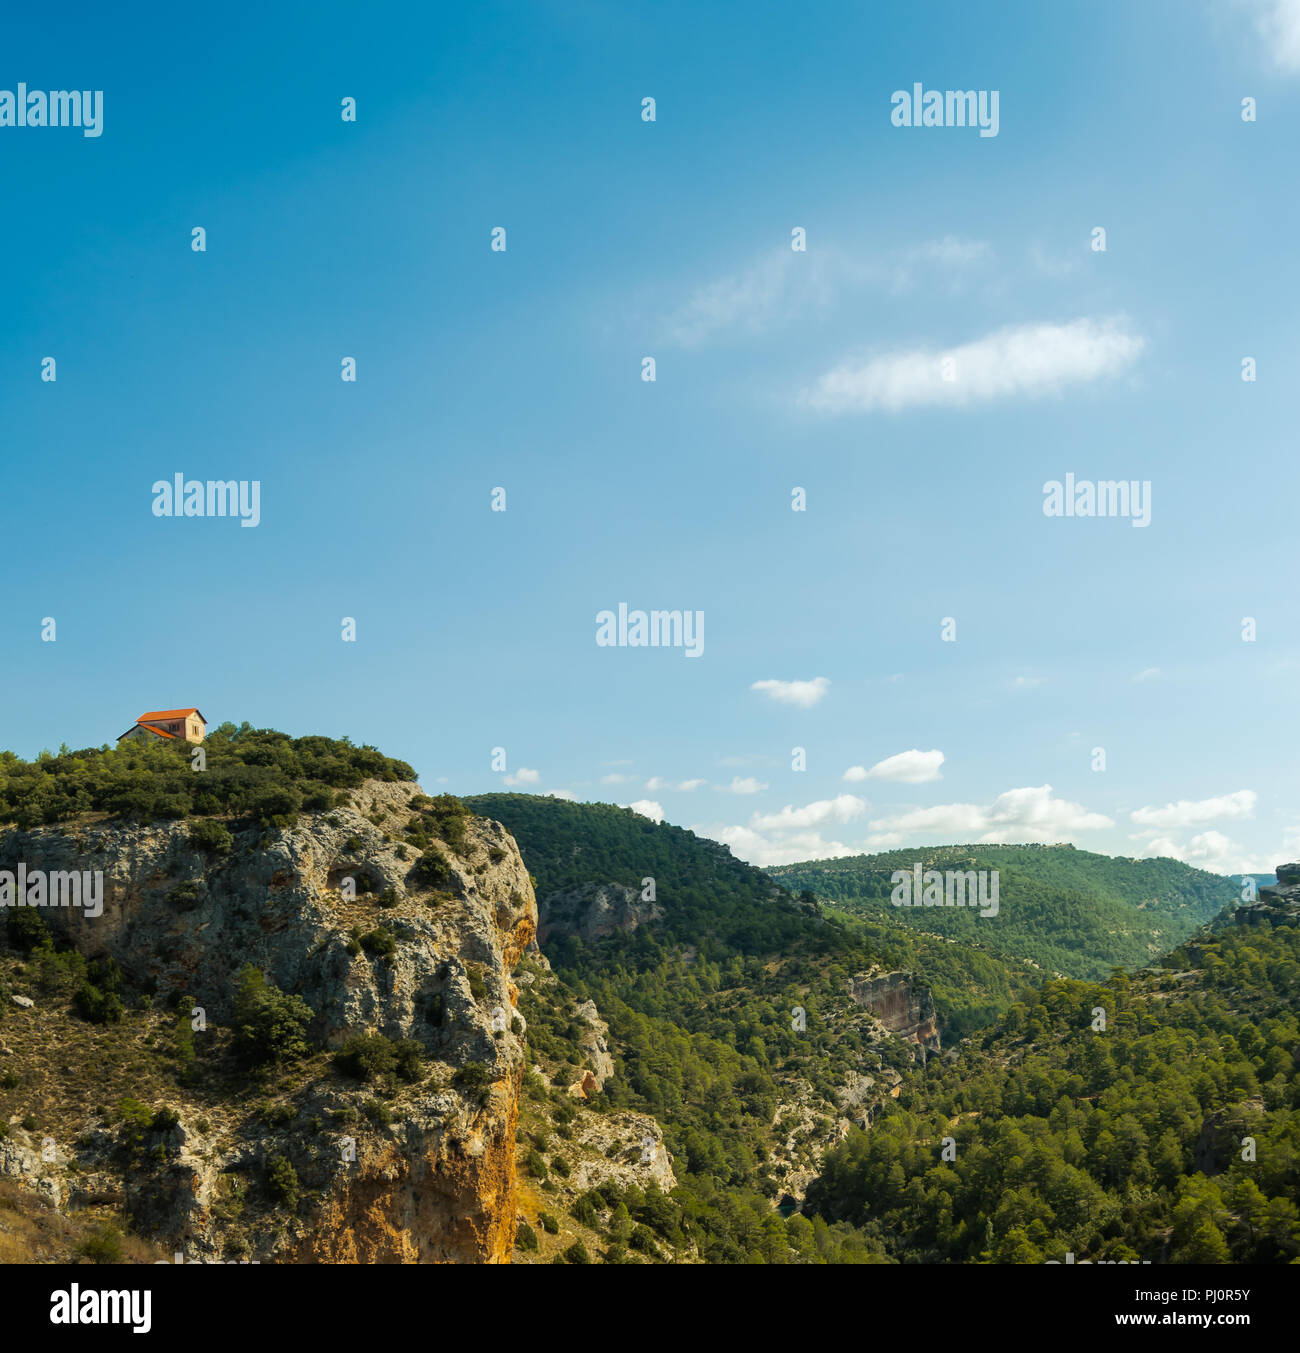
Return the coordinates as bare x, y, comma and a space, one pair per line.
905, 1008
335, 910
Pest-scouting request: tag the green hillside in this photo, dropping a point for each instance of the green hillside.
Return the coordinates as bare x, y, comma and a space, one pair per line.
1170, 1135
1069, 911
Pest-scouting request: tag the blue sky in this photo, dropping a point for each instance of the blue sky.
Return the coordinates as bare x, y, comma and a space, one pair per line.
774, 369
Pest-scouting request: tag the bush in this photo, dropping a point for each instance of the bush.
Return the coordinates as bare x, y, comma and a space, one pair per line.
474, 1080
379, 943
211, 837
269, 1025
96, 1006
103, 1245
577, 1253
433, 869
535, 1165
164, 1119
282, 1181
525, 1236
26, 928
548, 1223
366, 1056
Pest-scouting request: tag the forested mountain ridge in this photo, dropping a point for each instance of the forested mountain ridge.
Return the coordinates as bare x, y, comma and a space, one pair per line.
1069, 911
728, 999
1153, 1117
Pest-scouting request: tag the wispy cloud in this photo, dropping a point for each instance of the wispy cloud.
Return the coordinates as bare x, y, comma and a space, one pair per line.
744, 785
802, 693
523, 776
1147, 674
647, 808
1278, 23
657, 782
1029, 360
779, 287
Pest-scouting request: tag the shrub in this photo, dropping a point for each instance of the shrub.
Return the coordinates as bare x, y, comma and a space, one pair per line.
103, 1245
535, 1165
185, 895
26, 928
474, 1080
548, 1223
525, 1236
164, 1119
96, 1006
211, 837
269, 1025
377, 1113
370, 1055
282, 1181
433, 869
577, 1253
379, 943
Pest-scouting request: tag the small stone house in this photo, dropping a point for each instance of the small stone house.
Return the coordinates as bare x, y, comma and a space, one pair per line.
186, 725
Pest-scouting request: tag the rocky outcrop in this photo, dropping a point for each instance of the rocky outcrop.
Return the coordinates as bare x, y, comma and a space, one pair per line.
431, 1178
1277, 904
594, 911
626, 1148
904, 1007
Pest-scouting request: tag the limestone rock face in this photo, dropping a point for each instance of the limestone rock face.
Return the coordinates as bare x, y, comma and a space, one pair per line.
593, 911
631, 1151
437, 1183
904, 1007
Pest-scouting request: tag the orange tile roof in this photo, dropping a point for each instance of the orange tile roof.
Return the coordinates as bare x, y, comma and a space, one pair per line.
168, 714
149, 728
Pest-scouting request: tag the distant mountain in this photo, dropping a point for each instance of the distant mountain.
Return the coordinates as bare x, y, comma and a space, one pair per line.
1070, 911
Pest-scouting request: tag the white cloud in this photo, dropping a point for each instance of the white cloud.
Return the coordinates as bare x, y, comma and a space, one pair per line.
523, 776
907, 768
647, 808
842, 808
1208, 850
791, 834
1193, 812
1025, 683
758, 849
615, 778
1147, 674
561, 794
657, 782
1026, 359
746, 785
1278, 23
802, 693
1030, 814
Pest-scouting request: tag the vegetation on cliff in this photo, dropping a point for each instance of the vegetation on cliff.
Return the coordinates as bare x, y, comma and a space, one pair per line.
251, 773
